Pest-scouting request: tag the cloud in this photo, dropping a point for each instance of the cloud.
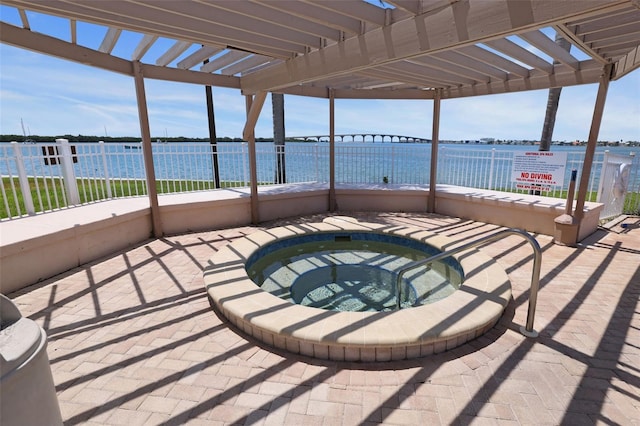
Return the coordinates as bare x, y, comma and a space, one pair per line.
56, 97
509, 116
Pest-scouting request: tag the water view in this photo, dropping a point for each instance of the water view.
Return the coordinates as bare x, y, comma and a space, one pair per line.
186, 167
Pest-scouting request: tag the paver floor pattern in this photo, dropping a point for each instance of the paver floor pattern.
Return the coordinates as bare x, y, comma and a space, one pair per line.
133, 340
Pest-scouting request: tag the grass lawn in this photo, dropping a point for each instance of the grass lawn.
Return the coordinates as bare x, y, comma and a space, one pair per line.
48, 193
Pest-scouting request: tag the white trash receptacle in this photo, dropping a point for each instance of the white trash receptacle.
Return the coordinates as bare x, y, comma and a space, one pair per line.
27, 393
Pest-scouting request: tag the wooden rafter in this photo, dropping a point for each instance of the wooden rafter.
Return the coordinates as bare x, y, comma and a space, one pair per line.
630, 62
110, 40
356, 48
224, 60
418, 36
198, 57
176, 50
143, 46
548, 46
520, 54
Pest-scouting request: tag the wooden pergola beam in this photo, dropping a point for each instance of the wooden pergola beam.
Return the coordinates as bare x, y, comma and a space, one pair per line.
628, 63
254, 106
48, 45
463, 25
147, 151
435, 137
253, 112
598, 111
332, 152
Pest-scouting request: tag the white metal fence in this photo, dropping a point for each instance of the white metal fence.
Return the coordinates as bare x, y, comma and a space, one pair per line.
49, 176
615, 182
492, 169
394, 164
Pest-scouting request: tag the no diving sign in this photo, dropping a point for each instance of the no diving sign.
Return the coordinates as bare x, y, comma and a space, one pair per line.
539, 170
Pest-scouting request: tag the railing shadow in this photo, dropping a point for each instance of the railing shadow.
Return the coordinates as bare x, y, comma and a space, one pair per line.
620, 322
94, 286
575, 411
609, 366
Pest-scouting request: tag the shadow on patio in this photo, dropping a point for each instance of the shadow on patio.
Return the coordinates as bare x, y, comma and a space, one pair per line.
132, 339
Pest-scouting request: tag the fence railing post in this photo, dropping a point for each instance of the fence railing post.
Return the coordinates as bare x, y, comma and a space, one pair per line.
634, 184
23, 179
441, 164
444, 154
603, 170
316, 160
245, 157
393, 159
493, 157
105, 168
69, 175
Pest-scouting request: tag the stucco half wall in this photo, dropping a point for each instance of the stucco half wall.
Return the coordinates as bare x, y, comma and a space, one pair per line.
36, 248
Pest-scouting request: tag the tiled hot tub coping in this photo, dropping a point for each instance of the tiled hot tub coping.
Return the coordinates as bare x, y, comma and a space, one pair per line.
357, 336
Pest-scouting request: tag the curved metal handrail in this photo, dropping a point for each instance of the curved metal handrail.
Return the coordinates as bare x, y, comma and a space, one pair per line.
535, 276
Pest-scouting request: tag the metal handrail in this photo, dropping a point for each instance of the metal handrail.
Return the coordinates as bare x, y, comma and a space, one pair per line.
535, 276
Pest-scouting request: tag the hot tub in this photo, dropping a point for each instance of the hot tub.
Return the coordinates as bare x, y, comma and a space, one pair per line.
419, 329
353, 271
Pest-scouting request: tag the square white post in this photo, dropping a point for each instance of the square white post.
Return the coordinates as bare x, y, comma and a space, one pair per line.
68, 174
23, 179
105, 166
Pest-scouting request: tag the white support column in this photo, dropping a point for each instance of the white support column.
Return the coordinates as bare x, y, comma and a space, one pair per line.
23, 180
567, 227
105, 166
435, 135
332, 152
69, 175
147, 152
592, 142
603, 172
254, 106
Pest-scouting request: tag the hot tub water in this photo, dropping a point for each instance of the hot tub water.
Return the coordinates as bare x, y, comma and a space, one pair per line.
355, 272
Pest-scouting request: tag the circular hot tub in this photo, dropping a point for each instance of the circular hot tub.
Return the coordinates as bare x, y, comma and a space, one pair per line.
353, 271
329, 290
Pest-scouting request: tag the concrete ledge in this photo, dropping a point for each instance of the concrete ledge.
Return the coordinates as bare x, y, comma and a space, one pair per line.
532, 213
357, 336
389, 198
276, 202
198, 211
38, 247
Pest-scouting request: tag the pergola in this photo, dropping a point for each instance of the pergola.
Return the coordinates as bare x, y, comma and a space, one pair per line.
357, 49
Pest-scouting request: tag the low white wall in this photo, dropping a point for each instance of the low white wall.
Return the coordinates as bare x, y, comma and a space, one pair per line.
199, 211
227, 208
386, 198
278, 205
39, 247
532, 213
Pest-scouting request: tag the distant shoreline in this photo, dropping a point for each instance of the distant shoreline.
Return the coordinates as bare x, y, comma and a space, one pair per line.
182, 139
125, 139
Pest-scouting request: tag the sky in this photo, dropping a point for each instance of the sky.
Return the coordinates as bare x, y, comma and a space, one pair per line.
55, 97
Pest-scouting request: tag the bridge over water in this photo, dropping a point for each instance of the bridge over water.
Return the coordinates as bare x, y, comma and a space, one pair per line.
363, 137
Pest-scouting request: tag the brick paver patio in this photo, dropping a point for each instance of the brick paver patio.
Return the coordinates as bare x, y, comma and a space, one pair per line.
133, 341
